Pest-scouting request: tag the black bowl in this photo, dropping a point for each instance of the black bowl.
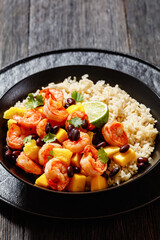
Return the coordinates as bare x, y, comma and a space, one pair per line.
131, 85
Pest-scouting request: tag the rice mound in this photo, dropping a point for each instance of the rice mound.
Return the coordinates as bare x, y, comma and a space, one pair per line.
136, 118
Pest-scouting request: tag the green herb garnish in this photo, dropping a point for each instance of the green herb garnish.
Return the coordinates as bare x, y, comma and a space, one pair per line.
76, 122
27, 139
50, 137
77, 96
102, 155
50, 155
34, 102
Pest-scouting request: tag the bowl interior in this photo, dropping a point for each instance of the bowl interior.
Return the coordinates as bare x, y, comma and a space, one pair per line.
131, 85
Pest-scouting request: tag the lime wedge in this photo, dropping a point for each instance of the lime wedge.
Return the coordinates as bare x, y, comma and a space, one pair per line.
97, 112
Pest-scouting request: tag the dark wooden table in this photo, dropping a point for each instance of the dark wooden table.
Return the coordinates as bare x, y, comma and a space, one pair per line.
32, 26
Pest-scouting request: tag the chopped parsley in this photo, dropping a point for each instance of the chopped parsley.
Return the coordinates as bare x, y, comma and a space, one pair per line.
102, 155
50, 137
76, 122
27, 139
34, 102
77, 96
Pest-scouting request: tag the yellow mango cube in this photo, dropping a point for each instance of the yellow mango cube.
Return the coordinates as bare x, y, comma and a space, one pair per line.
8, 114
123, 159
88, 183
75, 107
10, 121
77, 183
63, 154
98, 183
61, 135
31, 150
75, 160
42, 181
111, 150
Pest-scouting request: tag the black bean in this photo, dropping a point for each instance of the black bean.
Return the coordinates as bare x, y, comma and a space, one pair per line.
8, 154
101, 144
141, 166
77, 170
70, 171
16, 153
142, 160
35, 136
85, 124
114, 171
97, 138
54, 129
66, 105
74, 134
48, 127
70, 127
95, 130
105, 175
70, 101
124, 148
40, 142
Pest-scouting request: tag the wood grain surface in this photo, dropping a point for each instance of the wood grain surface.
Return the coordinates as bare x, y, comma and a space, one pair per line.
33, 26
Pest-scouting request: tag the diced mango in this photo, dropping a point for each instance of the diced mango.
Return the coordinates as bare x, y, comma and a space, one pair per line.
75, 107
77, 183
31, 150
63, 154
61, 135
10, 121
98, 183
111, 150
42, 181
90, 135
8, 114
88, 183
75, 160
123, 158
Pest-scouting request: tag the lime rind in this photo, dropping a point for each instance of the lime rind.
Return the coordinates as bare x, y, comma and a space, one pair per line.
98, 112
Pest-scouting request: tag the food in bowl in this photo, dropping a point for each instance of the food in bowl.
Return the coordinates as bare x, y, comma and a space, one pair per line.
80, 136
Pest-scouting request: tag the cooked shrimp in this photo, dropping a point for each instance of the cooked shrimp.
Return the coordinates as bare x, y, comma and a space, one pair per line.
79, 114
54, 110
45, 153
30, 119
90, 163
15, 137
114, 134
55, 94
77, 146
56, 174
40, 129
28, 165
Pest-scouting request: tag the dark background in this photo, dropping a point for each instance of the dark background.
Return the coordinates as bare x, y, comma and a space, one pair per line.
32, 26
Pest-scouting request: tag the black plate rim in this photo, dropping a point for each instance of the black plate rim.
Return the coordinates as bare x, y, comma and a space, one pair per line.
81, 193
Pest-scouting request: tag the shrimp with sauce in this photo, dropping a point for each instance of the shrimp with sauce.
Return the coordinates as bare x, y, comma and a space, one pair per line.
15, 137
30, 119
28, 165
114, 134
40, 129
56, 174
77, 146
45, 152
90, 163
53, 107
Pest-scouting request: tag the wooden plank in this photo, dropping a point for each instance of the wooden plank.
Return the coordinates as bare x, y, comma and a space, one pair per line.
14, 30
69, 24
143, 21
